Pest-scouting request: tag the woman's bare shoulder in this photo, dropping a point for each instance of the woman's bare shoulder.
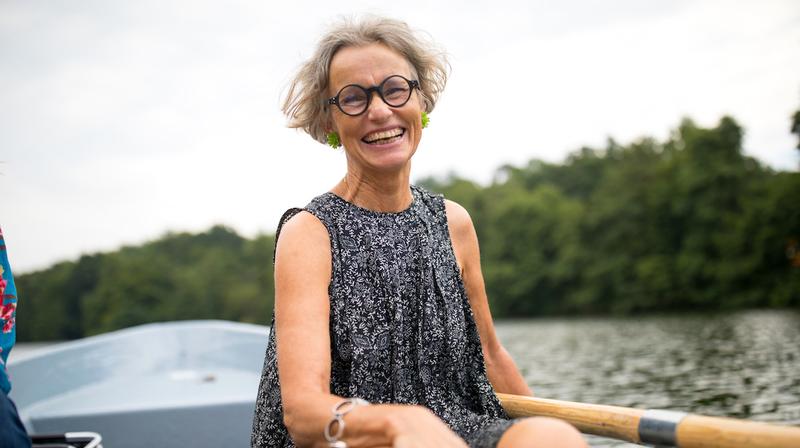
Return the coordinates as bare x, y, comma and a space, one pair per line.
302, 225
458, 220
303, 233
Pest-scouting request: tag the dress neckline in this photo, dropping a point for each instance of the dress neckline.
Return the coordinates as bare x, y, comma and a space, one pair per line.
414, 200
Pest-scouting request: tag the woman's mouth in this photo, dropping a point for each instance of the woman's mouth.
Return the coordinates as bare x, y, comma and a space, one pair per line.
384, 137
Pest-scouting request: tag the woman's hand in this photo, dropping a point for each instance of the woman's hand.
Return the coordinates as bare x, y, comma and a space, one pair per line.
398, 426
416, 426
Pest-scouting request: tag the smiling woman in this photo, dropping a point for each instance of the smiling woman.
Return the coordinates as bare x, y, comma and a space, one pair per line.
379, 293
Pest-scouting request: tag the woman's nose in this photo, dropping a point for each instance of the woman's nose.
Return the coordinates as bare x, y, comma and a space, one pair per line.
378, 109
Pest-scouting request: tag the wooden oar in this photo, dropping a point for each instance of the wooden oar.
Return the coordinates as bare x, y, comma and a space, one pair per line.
662, 428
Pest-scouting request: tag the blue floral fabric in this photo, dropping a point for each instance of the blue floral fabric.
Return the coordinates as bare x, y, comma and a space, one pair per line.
401, 326
8, 335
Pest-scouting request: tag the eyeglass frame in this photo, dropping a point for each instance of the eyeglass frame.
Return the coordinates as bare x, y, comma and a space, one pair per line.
412, 84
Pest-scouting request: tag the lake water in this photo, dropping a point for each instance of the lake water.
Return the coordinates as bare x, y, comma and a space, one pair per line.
744, 364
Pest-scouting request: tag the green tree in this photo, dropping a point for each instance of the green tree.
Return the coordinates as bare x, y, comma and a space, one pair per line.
530, 260
212, 275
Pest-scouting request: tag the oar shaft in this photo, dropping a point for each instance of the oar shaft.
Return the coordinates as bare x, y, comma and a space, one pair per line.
701, 431
607, 421
689, 431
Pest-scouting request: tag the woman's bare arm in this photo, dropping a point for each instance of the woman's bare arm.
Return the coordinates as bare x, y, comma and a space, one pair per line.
500, 367
302, 276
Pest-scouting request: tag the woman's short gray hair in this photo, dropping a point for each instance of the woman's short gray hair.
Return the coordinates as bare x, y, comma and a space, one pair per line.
306, 101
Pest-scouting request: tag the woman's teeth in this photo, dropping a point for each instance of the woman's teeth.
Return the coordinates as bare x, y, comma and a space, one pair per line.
384, 137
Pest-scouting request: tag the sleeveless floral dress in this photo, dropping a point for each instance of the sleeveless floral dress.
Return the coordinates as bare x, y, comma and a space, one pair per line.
401, 327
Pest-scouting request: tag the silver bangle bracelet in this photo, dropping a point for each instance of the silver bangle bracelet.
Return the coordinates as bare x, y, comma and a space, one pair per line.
338, 411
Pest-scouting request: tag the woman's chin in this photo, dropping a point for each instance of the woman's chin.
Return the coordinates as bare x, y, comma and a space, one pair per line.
389, 163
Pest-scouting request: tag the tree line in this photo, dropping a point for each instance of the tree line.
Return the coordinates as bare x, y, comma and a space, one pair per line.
689, 223
216, 274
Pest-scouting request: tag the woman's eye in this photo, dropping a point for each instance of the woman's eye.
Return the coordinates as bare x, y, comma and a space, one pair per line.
395, 91
352, 99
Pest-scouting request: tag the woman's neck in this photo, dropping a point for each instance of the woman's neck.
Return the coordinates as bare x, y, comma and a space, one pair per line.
389, 193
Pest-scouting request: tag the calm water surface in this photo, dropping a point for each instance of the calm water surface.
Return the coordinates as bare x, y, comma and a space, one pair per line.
744, 364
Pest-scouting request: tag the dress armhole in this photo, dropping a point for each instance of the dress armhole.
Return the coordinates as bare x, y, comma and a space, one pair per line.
446, 224
289, 214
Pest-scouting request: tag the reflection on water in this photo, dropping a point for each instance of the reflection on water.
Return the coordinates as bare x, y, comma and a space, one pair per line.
744, 365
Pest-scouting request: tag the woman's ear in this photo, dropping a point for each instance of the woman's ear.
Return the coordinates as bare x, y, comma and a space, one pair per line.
329, 126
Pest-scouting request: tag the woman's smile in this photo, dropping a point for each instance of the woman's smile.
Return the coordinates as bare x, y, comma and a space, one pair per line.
384, 137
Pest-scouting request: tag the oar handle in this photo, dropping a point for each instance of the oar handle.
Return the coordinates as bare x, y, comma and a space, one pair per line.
663, 428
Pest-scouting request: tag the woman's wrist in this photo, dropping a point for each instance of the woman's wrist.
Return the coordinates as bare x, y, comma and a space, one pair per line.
335, 428
380, 424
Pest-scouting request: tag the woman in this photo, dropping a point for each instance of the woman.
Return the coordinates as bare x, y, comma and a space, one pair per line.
382, 334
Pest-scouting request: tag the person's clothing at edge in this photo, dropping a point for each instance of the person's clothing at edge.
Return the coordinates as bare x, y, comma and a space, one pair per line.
8, 333
12, 431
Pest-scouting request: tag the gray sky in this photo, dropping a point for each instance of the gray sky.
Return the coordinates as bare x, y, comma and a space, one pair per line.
121, 120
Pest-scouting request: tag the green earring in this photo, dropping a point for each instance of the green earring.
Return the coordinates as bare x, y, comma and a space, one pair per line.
333, 140
425, 120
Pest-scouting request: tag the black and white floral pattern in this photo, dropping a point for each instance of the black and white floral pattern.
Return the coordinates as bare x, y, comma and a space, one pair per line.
401, 327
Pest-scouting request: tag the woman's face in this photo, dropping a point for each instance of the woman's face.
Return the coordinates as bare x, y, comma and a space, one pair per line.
383, 138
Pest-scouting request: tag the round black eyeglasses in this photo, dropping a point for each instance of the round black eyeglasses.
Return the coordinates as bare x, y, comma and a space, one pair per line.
354, 99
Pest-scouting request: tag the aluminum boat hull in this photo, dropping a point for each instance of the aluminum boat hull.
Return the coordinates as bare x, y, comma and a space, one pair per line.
176, 384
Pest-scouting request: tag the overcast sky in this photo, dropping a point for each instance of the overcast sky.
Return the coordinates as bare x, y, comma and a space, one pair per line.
121, 120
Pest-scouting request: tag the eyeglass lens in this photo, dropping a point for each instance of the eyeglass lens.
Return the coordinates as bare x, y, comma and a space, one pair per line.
394, 90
